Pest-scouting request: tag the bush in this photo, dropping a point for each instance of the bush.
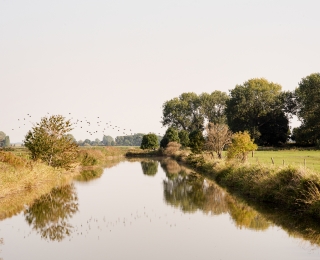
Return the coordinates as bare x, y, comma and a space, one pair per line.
171, 148
49, 142
241, 145
149, 141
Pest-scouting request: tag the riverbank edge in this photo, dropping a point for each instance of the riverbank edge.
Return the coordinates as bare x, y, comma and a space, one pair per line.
294, 189
23, 180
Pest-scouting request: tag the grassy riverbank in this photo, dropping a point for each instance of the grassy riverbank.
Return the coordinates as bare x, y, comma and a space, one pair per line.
23, 180
292, 187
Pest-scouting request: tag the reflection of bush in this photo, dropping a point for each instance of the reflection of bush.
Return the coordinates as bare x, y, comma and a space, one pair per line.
89, 174
48, 215
149, 168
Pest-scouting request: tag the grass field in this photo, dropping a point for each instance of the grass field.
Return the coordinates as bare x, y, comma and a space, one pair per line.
297, 158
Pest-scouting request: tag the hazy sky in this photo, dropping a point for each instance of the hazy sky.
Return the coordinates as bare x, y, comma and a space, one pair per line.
121, 60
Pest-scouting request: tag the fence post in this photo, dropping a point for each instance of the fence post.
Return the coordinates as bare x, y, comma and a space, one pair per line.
272, 160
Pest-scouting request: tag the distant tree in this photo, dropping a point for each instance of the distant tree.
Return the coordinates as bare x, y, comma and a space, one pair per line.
129, 140
183, 112
255, 105
149, 141
2, 138
7, 141
171, 135
71, 138
308, 108
87, 142
107, 140
213, 106
184, 138
217, 137
49, 142
241, 145
196, 141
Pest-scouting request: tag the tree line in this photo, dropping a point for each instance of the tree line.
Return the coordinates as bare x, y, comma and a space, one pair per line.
107, 140
257, 106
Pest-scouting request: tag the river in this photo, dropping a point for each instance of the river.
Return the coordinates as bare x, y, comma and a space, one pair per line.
145, 209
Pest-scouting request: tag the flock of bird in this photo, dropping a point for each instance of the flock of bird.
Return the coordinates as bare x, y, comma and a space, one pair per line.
91, 127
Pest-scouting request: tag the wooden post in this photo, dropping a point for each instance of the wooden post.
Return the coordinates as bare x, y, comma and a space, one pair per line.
272, 160
252, 153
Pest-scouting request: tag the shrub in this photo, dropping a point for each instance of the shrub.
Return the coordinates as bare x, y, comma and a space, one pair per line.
241, 145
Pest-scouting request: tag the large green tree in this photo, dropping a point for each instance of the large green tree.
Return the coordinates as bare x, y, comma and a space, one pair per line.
255, 106
49, 142
197, 141
183, 112
308, 107
213, 106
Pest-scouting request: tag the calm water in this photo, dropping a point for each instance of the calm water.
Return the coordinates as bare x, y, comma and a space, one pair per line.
149, 210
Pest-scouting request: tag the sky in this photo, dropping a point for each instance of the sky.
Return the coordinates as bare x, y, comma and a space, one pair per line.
120, 60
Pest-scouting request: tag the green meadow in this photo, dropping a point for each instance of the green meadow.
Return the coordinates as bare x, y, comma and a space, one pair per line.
298, 158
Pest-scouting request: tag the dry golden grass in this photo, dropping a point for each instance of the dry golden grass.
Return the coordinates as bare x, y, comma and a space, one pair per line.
22, 181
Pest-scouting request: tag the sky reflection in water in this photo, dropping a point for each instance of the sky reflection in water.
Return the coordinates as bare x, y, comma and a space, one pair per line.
146, 210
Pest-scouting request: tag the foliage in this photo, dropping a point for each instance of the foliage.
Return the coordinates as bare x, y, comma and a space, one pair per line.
171, 135
129, 140
213, 106
308, 109
108, 140
149, 168
183, 112
196, 141
7, 141
256, 106
149, 141
217, 137
49, 142
2, 138
241, 145
184, 138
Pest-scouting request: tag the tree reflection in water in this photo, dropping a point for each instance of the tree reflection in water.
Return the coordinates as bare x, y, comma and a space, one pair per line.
191, 192
149, 168
49, 214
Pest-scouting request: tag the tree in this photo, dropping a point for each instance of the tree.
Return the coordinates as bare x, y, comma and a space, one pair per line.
196, 141
217, 137
254, 105
308, 105
184, 138
7, 141
149, 141
171, 135
183, 112
107, 140
213, 106
241, 145
2, 138
49, 142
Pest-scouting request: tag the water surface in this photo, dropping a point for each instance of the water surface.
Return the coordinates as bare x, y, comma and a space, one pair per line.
148, 210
